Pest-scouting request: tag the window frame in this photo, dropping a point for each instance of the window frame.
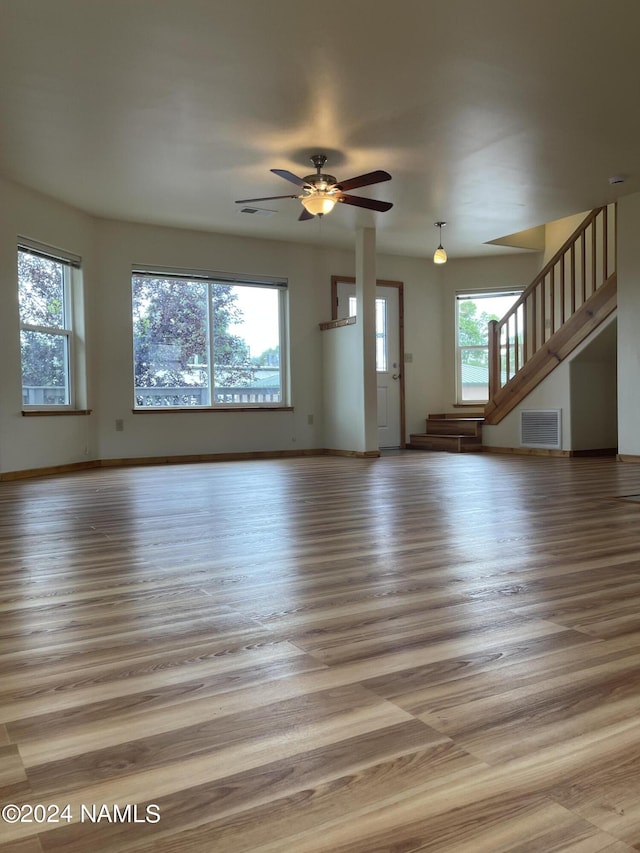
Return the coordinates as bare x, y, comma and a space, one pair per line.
209, 278
71, 266
461, 296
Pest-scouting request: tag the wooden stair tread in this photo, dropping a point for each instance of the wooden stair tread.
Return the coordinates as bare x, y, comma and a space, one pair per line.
451, 443
447, 435
466, 417
453, 426
471, 439
452, 433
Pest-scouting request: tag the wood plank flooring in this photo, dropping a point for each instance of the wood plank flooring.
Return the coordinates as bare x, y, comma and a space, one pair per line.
412, 653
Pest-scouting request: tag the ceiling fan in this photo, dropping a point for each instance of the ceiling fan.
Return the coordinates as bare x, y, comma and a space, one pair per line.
320, 192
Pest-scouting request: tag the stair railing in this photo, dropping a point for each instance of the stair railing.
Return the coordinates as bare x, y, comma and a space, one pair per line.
578, 269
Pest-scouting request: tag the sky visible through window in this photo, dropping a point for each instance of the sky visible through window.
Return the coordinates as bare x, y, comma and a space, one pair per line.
260, 318
494, 304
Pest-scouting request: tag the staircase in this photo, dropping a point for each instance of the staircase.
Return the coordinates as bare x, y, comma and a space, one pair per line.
572, 295
450, 432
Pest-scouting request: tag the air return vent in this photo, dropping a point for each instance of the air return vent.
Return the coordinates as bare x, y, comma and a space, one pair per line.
541, 428
258, 211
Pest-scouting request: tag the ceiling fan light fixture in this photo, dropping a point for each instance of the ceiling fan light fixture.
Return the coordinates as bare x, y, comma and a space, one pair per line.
321, 192
319, 203
440, 255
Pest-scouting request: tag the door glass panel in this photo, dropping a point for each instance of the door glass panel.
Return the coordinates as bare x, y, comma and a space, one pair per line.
382, 346
381, 335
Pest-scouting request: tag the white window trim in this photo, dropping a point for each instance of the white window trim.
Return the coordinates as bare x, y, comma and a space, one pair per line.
243, 280
71, 265
461, 296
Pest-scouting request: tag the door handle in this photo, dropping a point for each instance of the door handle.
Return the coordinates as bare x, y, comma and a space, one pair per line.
396, 376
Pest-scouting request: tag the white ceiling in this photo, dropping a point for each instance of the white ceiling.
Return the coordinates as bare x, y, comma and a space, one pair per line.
495, 115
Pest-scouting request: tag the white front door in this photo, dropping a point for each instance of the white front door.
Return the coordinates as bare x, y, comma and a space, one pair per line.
388, 356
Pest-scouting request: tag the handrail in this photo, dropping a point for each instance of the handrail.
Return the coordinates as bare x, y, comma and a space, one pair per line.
582, 265
546, 269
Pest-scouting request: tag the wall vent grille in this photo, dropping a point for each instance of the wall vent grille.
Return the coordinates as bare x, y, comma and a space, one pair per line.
258, 211
541, 428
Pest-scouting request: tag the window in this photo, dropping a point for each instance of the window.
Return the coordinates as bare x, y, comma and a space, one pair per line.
45, 281
208, 341
473, 312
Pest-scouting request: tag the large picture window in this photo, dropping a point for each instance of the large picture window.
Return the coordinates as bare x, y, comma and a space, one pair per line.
46, 327
207, 341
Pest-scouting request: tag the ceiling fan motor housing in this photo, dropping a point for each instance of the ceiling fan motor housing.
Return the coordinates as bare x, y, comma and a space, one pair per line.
319, 181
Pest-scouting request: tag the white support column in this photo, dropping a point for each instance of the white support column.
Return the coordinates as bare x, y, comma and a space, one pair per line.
366, 296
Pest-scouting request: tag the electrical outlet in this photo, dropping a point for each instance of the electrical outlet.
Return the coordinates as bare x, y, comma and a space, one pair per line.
310, 420
119, 425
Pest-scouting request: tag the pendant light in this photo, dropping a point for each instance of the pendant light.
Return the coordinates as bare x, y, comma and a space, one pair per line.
440, 256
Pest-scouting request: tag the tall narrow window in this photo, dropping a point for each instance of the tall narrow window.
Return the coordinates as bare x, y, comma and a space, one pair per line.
204, 341
46, 327
473, 312
381, 335
381, 329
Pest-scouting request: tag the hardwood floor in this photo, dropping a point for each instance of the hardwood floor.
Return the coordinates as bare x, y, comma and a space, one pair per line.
413, 653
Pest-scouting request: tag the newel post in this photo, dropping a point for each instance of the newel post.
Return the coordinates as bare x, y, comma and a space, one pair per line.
494, 359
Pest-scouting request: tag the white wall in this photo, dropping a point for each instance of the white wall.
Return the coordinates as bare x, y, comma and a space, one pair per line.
33, 442
121, 245
425, 332
308, 270
594, 385
583, 387
629, 325
343, 417
109, 249
556, 233
594, 422
552, 393
424, 329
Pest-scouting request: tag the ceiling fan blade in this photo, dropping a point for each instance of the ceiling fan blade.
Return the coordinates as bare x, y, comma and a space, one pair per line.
266, 198
305, 215
364, 180
289, 176
370, 203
